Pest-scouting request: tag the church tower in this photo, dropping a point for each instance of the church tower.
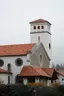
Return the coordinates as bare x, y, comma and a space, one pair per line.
40, 31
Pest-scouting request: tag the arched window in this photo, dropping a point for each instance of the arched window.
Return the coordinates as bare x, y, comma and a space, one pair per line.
40, 58
49, 46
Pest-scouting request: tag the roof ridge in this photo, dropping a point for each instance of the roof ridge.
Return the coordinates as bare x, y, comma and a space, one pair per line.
48, 68
40, 69
17, 44
44, 71
34, 69
47, 73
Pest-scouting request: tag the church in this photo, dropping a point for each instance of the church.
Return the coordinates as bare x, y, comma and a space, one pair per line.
38, 53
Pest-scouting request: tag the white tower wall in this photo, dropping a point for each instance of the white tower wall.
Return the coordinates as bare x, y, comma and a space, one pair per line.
44, 38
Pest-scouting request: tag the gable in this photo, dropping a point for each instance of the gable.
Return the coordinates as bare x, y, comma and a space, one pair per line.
40, 48
39, 56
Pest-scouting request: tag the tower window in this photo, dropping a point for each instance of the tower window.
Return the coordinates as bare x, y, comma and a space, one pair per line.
34, 27
49, 46
38, 27
42, 27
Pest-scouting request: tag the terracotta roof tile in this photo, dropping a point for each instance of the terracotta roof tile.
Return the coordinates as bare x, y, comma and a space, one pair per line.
39, 21
49, 71
61, 72
2, 71
18, 49
32, 71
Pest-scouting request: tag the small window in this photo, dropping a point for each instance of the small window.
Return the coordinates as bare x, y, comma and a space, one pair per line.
1, 62
9, 67
19, 62
62, 79
34, 27
42, 27
38, 27
8, 79
49, 46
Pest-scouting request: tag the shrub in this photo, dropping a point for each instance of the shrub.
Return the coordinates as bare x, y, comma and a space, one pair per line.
36, 84
55, 84
25, 90
15, 90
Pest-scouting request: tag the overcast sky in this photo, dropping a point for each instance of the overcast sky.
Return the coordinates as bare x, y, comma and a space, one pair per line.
16, 14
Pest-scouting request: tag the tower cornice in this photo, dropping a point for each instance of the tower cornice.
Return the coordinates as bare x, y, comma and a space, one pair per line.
41, 32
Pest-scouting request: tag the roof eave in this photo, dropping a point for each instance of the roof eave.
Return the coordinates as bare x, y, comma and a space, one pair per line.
39, 22
6, 73
13, 55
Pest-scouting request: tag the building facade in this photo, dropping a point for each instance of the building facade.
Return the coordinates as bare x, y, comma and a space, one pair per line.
38, 52
60, 75
37, 75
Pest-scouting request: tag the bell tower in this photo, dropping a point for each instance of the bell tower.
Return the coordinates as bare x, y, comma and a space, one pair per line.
40, 30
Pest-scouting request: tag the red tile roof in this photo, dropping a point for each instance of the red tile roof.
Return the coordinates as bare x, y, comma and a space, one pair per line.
39, 21
3, 71
32, 71
49, 71
18, 49
61, 72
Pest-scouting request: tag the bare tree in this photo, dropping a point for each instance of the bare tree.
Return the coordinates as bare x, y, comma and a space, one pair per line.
58, 67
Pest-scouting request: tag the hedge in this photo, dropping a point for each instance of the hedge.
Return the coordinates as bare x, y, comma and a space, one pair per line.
21, 90
15, 90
